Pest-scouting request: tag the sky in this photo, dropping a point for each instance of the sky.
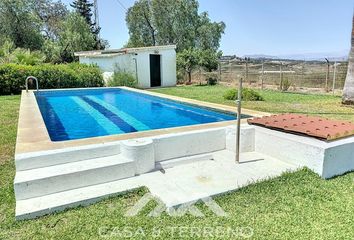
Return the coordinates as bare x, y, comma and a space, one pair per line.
270, 27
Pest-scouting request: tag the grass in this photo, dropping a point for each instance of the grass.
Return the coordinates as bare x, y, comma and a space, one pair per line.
296, 205
275, 102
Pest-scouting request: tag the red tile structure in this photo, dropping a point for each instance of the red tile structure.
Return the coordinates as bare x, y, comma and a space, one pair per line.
317, 127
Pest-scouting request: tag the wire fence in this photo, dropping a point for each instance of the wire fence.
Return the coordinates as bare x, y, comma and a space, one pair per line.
285, 75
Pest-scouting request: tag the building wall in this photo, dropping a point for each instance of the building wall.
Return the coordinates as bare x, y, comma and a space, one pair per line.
126, 62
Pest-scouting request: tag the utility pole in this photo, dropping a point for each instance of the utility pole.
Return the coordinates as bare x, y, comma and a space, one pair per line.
327, 74
97, 20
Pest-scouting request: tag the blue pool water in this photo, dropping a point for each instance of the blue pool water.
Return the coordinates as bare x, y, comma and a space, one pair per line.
77, 114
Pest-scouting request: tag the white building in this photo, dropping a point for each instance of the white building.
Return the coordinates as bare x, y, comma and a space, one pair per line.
152, 66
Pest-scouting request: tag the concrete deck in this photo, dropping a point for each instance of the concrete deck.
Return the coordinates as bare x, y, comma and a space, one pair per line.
173, 186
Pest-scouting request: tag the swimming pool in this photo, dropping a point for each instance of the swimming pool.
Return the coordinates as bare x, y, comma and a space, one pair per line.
78, 114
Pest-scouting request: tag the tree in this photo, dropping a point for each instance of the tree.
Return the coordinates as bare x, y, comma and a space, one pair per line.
209, 33
348, 91
189, 59
84, 8
176, 22
19, 24
51, 14
139, 20
208, 59
162, 22
75, 36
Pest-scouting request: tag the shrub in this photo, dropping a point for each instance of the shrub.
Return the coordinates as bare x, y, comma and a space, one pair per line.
121, 78
8, 54
285, 85
247, 95
212, 81
13, 76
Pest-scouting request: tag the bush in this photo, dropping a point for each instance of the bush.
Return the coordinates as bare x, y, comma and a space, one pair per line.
13, 76
212, 81
121, 78
247, 95
285, 85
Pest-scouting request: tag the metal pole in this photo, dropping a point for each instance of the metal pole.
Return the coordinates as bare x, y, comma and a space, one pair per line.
334, 77
249, 82
327, 75
238, 127
262, 83
281, 77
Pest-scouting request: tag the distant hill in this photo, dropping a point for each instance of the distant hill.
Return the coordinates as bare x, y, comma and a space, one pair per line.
332, 56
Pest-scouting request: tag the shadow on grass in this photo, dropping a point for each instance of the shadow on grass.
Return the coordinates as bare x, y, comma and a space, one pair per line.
318, 113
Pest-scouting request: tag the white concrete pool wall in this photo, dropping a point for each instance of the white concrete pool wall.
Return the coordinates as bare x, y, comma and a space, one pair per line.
327, 159
165, 147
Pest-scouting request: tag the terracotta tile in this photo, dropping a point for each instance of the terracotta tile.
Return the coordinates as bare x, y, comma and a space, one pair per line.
321, 128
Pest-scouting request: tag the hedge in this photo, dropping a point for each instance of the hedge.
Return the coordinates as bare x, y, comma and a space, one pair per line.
13, 76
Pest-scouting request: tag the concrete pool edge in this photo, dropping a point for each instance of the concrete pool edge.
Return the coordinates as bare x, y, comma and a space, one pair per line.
32, 134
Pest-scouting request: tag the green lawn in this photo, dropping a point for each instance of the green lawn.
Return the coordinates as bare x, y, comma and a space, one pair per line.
294, 206
275, 101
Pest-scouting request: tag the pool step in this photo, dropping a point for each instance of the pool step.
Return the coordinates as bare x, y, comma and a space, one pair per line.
27, 161
48, 180
39, 206
183, 160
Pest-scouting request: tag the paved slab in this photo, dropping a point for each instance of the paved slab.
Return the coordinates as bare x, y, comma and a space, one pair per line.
194, 181
174, 186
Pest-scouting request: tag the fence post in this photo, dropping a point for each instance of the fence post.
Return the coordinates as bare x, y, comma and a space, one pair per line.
281, 77
302, 73
327, 75
249, 82
262, 77
334, 77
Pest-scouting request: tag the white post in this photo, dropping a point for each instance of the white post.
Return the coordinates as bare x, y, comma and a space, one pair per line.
141, 151
238, 127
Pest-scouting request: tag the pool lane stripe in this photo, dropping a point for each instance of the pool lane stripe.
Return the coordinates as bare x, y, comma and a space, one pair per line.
107, 125
124, 126
54, 126
126, 117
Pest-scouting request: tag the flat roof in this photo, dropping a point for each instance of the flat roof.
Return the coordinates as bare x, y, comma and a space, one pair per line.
120, 51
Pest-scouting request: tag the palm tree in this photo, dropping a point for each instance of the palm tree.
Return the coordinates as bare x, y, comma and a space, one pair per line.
348, 91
